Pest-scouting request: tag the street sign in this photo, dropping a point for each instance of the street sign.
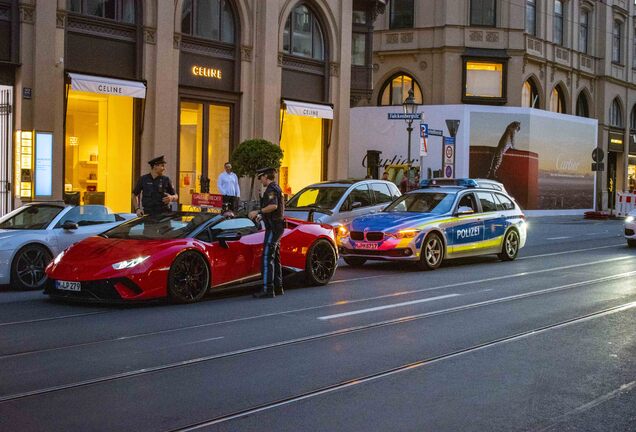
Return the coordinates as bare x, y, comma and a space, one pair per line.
598, 155
448, 171
449, 154
405, 116
423, 146
424, 130
449, 140
598, 166
436, 132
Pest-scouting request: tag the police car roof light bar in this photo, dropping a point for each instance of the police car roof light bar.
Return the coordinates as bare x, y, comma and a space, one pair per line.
436, 182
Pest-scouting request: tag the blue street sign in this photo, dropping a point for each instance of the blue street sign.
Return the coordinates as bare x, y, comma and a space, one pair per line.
449, 140
436, 132
424, 130
405, 116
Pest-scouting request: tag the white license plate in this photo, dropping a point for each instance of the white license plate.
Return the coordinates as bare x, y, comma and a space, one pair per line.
367, 245
68, 286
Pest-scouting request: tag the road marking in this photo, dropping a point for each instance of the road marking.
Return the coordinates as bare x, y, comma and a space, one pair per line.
571, 251
373, 309
558, 238
54, 318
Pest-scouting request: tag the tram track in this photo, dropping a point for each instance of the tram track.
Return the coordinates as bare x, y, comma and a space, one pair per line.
349, 383
335, 333
314, 308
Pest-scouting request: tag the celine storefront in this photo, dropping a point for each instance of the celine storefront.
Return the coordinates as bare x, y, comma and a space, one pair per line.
104, 106
209, 95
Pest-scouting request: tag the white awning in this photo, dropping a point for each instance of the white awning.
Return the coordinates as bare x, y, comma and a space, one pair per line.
109, 86
308, 109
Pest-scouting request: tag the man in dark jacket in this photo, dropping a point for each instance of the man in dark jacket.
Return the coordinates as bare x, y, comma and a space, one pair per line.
154, 192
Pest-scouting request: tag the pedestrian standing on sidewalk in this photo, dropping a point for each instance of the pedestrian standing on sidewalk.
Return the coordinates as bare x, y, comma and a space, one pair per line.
272, 214
154, 192
228, 186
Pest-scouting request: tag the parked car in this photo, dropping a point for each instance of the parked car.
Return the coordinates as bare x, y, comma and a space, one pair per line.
33, 234
338, 202
630, 228
181, 256
431, 224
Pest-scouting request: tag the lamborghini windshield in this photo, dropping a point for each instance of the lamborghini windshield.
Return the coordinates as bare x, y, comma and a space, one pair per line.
166, 226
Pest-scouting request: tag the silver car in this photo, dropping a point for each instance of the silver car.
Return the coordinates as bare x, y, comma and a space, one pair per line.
338, 202
32, 235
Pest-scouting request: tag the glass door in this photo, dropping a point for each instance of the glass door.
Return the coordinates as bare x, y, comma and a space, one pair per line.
204, 147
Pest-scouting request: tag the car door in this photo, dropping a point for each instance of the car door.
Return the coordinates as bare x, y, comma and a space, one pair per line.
90, 219
233, 260
359, 194
467, 230
494, 223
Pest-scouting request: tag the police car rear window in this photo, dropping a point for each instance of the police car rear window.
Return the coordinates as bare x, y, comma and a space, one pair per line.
504, 203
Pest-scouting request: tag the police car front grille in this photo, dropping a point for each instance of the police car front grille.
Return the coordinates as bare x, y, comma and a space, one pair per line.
357, 235
375, 236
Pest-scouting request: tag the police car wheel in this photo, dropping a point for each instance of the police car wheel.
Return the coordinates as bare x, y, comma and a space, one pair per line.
355, 261
27, 267
321, 263
631, 243
510, 247
432, 253
189, 278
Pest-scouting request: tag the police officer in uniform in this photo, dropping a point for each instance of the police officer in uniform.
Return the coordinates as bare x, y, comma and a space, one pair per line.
154, 192
271, 213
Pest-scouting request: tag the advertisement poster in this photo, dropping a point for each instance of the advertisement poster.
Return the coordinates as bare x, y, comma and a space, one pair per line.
542, 158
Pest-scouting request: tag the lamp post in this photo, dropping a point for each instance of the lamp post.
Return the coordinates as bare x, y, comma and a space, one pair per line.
410, 107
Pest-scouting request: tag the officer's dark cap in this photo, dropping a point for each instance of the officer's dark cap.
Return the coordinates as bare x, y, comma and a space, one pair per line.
157, 161
265, 171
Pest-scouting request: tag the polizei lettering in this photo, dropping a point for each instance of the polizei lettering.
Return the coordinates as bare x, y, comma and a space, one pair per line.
467, 232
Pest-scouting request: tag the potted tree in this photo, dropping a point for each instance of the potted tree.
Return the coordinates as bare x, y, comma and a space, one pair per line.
252, 155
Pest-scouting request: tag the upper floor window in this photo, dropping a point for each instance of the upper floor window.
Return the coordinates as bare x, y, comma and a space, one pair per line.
358, 49
117, 10
302, 35
396, 90
557, 100
584, 23
558, 22
634, 51
616, 114
531, 17
582, 106
401, 14
632, 118
617, 37
483, 79
208, 19
529, 95
483, 13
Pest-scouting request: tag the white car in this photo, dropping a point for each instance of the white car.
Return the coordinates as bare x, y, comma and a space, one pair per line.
33, 234
630, 228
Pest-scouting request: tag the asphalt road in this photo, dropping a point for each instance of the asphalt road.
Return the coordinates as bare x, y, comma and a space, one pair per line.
544, 343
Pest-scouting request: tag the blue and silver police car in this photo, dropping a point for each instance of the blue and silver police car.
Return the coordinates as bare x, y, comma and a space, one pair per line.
437, 222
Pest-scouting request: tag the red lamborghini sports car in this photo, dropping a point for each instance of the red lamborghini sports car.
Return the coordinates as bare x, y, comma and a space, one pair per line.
182, 256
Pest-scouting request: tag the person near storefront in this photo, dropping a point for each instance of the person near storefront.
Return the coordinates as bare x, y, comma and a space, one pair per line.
154, 192
228, 186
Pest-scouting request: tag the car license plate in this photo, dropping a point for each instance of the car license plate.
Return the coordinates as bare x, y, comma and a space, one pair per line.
369, 246
68, 286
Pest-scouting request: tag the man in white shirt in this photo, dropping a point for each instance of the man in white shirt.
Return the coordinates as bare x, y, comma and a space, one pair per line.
229, 187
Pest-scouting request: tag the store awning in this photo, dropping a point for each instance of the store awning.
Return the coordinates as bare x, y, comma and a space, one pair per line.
308, 109
109, 86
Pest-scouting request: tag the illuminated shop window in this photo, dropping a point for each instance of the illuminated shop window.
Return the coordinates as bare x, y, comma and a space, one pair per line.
208, 19
98, 157
117, 10
484, 80
302, 35
396, 90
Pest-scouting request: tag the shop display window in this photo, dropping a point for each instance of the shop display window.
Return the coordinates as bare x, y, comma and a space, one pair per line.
98, 160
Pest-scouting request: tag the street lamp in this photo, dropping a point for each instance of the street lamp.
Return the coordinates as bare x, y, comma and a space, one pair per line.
410, 107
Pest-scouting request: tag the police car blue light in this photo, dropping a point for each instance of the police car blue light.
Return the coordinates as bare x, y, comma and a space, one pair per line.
438, 222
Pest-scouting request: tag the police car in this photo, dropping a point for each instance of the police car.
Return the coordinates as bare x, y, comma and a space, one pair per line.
437, 222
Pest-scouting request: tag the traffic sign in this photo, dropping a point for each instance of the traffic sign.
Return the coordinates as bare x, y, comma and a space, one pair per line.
405, 116
449, 154
449, 140
448, 171
424, 130
598, 166
598, 155
436, 132
423, 146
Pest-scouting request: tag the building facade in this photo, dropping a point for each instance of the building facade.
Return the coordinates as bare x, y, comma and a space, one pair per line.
575, 57
96, 88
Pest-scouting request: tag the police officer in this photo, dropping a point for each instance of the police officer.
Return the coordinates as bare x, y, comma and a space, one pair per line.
271, 213
156, 190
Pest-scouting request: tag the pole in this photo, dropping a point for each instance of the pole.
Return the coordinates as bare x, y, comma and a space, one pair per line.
408, 173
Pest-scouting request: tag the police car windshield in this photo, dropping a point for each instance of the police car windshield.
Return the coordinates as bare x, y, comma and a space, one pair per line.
320, 197
423, 202
164, 227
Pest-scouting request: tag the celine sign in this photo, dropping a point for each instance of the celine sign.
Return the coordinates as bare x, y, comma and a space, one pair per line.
206, 72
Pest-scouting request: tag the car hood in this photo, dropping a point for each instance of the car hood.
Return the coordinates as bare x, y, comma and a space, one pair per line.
390, 221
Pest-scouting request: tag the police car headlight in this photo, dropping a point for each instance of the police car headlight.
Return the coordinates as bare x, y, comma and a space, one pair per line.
629, 219
406, 233
129, 263
341, 231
